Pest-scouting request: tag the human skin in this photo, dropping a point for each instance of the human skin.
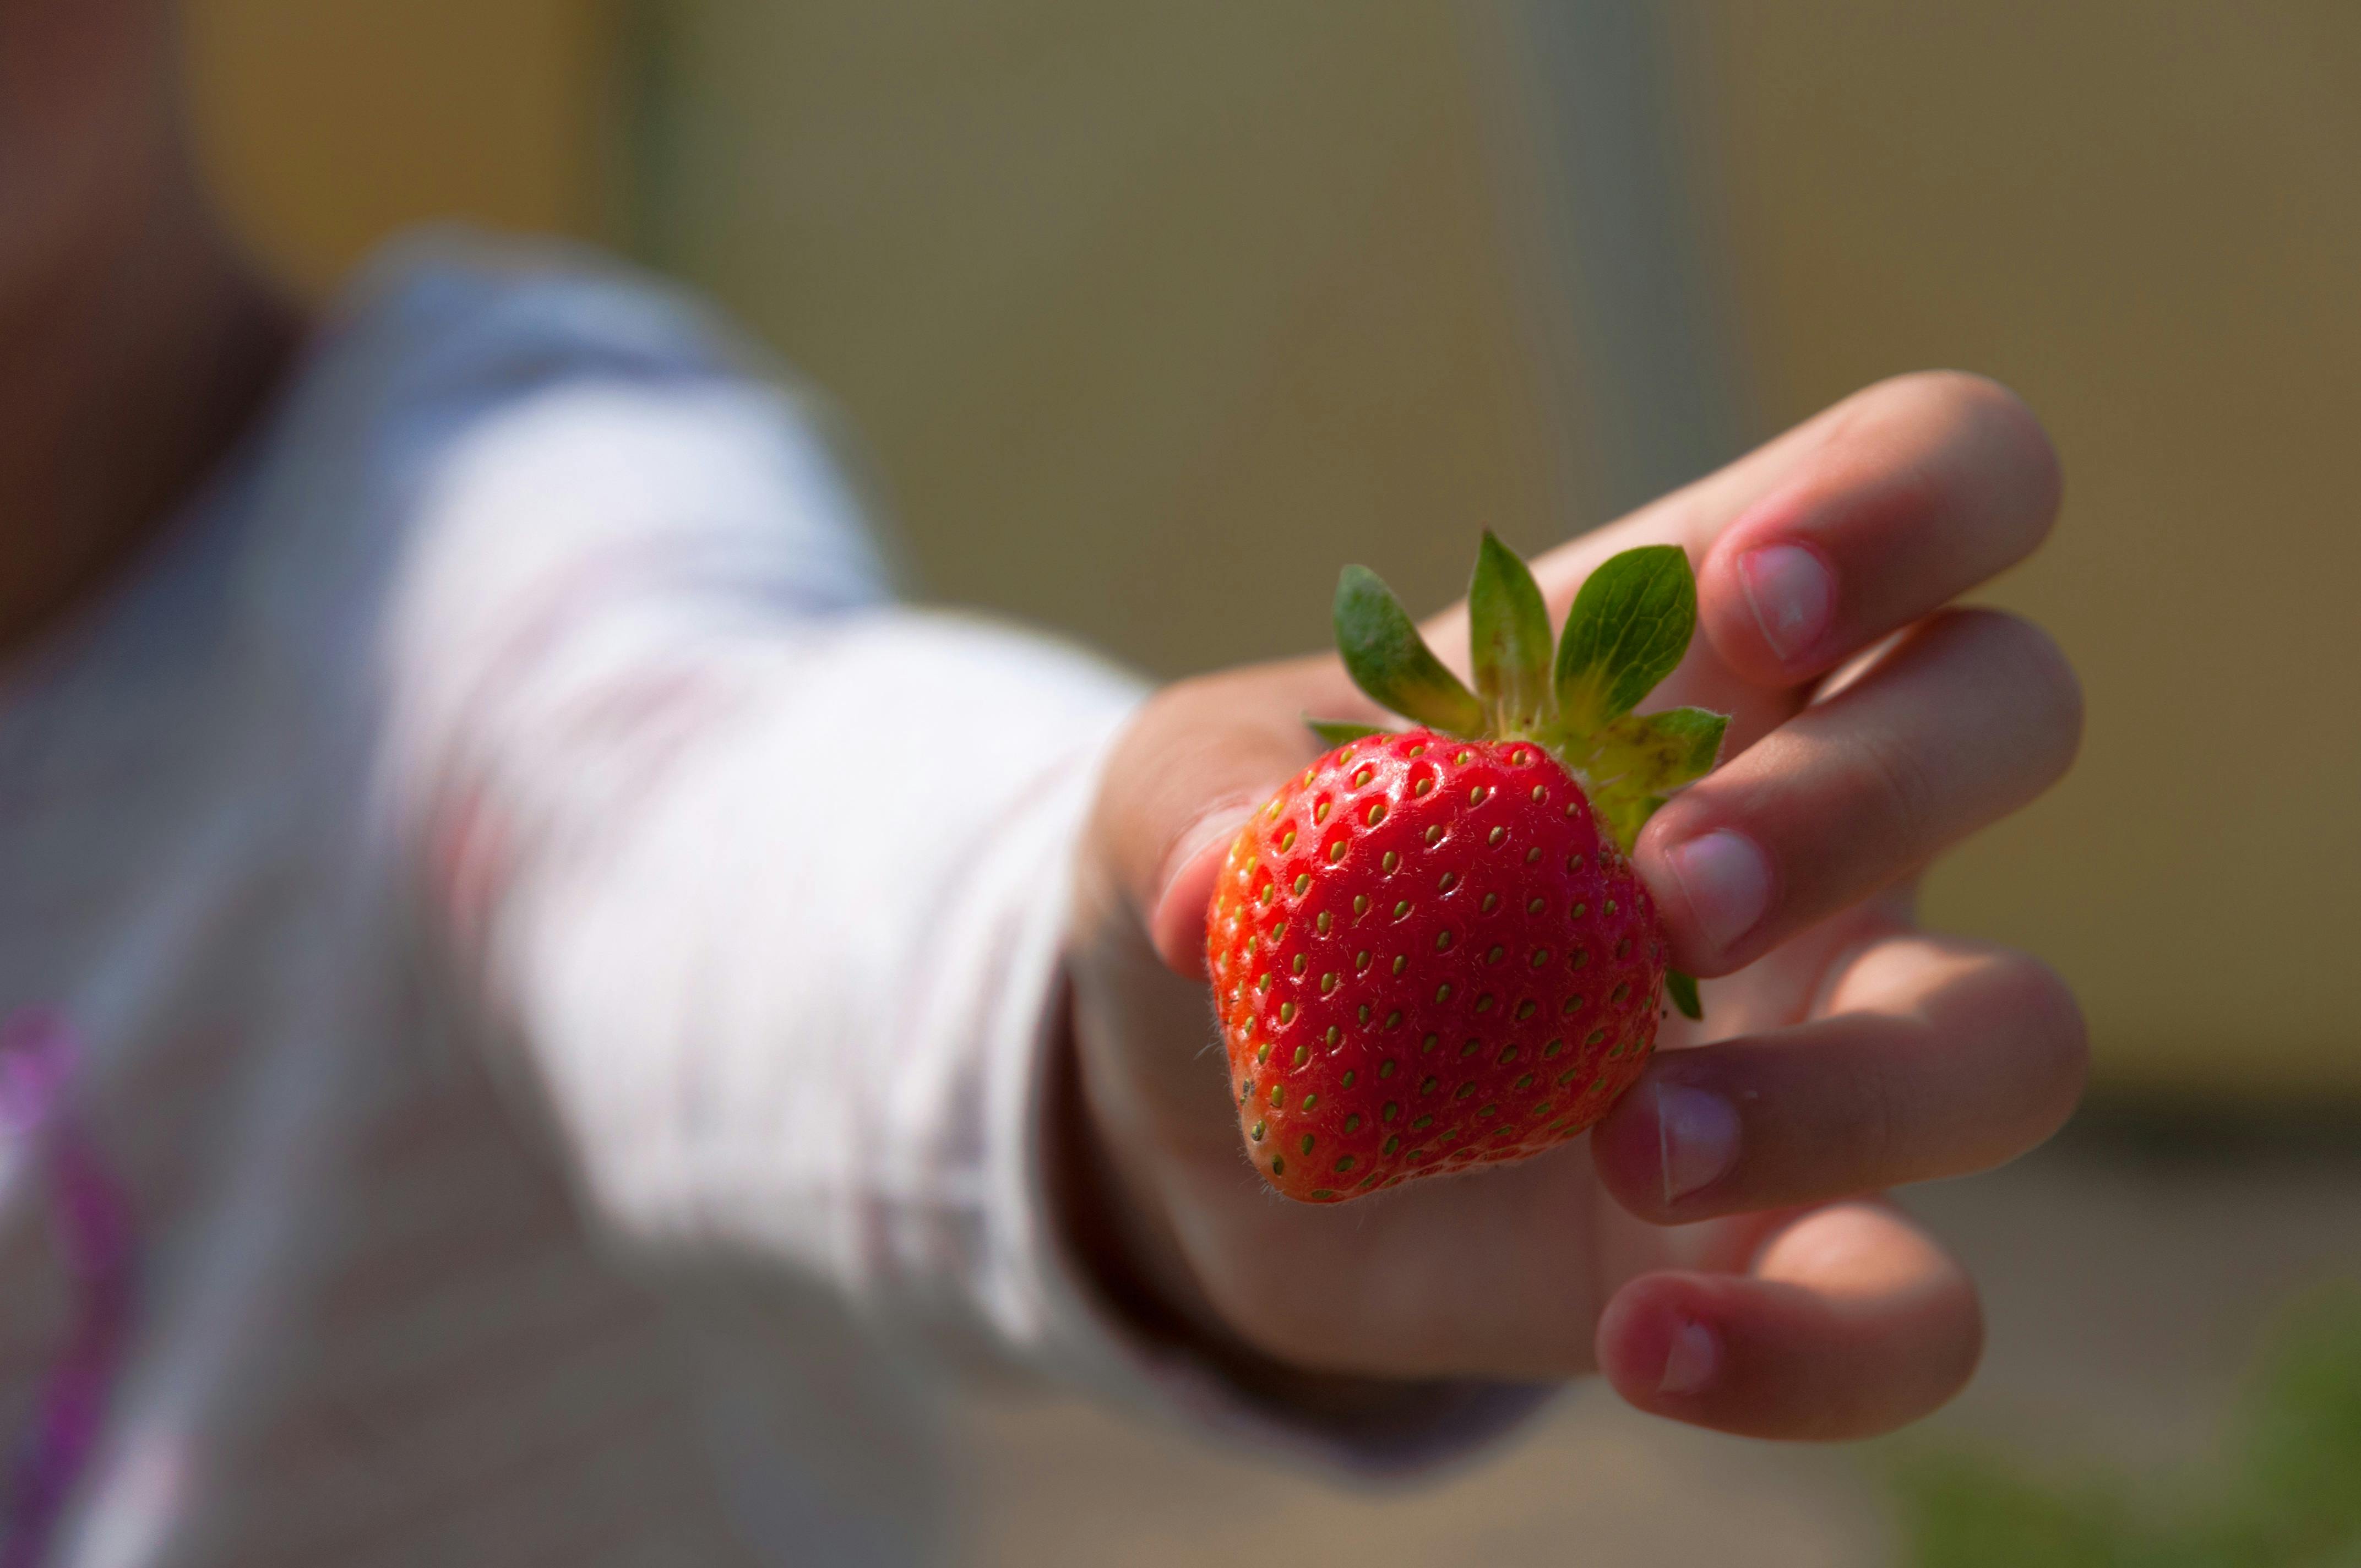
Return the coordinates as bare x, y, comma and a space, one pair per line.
1717, 1246
136, 344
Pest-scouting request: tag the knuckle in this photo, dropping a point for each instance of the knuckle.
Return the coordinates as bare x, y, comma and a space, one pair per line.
1975, 397
1979, 406
1993, 439
2053, 1040
2046, 695
2050, 679
2013, 448
1947, 400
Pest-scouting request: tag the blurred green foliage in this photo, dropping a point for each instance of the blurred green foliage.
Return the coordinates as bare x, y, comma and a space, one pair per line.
2285, 1493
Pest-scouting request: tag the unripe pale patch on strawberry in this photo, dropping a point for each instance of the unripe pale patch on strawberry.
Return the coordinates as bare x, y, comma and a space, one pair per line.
1464, 881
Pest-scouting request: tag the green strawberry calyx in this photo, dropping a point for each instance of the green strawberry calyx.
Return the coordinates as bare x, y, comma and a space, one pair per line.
1628, 628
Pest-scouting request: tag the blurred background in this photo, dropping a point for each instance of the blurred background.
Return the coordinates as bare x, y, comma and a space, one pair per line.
1118, 297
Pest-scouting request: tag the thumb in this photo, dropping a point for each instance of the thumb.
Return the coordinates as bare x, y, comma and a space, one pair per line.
1198, 759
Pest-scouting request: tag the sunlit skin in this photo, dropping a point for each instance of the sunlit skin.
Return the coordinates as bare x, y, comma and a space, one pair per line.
1770, 1291
135, 344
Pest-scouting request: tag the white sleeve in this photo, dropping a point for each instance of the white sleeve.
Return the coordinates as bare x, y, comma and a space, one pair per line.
769, 876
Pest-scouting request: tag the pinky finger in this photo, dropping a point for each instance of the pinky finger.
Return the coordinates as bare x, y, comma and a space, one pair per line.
1850, 1323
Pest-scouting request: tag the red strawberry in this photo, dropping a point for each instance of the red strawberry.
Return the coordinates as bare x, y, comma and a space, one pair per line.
1428, 950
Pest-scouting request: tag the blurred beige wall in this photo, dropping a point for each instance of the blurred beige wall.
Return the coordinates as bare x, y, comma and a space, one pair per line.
328, 123
1150, 316
2146, 215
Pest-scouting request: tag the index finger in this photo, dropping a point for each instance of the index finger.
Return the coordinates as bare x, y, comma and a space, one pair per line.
1864, 518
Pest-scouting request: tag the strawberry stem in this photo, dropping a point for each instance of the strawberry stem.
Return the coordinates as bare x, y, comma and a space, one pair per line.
1629, 628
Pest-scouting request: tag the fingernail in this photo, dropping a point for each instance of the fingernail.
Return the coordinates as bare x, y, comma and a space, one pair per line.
1696, 1137
1792, 593
1691, 1360
1726, 881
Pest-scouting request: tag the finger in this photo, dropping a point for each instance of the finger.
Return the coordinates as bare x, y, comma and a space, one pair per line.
1940, 1057
1850, 1323
1972, 715
1194, 762
1923, 488
1905, 494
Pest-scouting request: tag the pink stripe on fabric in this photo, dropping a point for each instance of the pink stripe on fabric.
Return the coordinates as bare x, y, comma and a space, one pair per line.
92, 1220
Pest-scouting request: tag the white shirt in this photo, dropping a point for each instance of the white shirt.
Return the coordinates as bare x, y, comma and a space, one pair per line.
526, 979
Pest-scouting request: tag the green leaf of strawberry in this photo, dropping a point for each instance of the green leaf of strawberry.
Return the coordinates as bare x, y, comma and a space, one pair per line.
1635, 762
1509, 637
1629, 625
1682, 989
1388, 659
1663, 751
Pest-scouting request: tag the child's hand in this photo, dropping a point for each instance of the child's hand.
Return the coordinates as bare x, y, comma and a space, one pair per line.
1851, 1051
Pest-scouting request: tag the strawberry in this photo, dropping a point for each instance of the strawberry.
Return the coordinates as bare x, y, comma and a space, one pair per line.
1428, 951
